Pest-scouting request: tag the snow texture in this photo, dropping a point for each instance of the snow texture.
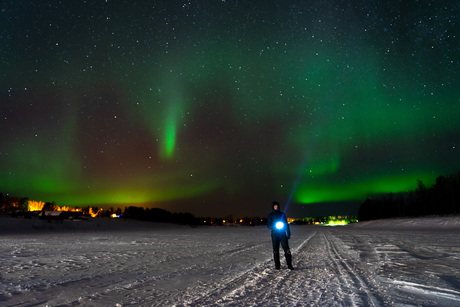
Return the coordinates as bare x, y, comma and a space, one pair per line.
407, 262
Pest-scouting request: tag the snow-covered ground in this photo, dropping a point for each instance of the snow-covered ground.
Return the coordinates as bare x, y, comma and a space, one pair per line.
122, 263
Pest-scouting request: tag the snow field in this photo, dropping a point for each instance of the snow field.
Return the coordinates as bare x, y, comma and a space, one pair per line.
385, 263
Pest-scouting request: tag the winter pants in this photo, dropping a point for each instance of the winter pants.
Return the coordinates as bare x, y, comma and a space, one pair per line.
276, 240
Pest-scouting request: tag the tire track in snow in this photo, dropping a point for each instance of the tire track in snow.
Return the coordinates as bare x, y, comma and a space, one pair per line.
323, 277
248, 283
358, 288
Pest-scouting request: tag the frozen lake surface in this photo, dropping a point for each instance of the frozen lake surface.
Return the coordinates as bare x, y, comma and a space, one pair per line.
118, 263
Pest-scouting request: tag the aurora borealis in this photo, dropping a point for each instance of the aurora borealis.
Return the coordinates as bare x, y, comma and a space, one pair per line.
219, 107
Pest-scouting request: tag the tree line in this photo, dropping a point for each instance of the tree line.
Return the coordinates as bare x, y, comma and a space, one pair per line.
443, 198
10, 203
20, 206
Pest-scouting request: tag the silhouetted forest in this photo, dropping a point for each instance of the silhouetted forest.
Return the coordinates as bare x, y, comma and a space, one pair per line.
16, 207
18, 203
20, 207
443, 198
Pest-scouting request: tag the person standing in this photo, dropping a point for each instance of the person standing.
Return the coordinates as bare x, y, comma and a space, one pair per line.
281, 233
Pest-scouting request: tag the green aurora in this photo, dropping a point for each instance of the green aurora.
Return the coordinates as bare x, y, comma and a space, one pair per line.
220, 107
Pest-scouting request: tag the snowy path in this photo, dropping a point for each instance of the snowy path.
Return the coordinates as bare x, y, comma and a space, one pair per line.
180, 266
322, 277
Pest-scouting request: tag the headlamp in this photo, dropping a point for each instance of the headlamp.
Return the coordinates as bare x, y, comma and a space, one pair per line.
279, 225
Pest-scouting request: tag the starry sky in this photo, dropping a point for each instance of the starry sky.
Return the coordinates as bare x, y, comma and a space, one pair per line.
219, 107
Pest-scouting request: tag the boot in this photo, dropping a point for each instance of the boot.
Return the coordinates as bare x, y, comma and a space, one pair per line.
289, 260
276, 257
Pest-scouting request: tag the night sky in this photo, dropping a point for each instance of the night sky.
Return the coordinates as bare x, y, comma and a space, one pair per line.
219, 107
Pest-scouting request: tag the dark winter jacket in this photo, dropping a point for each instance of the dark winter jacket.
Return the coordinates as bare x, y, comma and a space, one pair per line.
278, 216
